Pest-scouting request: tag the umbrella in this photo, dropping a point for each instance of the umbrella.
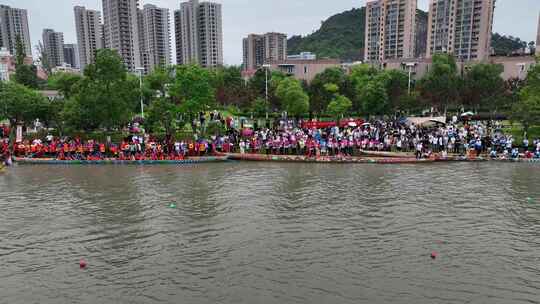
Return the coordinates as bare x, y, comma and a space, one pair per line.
467, 114
247, 132
436, 122
352, 124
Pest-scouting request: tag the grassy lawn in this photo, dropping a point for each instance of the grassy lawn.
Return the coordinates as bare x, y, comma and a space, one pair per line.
516, 130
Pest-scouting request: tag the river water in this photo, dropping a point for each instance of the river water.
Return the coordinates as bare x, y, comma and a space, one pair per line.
271, 233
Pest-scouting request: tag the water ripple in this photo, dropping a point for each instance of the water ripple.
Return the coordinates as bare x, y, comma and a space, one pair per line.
271, 233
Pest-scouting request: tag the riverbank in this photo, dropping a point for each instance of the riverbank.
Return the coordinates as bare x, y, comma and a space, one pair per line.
223, 157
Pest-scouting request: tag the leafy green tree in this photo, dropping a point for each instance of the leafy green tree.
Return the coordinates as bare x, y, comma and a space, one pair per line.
527, 110
157, 83
162, 113
440, 87
360, 77
76, 117
24, 74
106, 96
20, 52
231, 89
50, 112
215, 128
192, 89
339, 106
20, 105
331, 88
396, 84
362, 73
260, 107
532, 47
410, 103
319, 94
378, 92
483, 86
257, 84
505, 45
513, 87
65, 83
374, 98
293, 98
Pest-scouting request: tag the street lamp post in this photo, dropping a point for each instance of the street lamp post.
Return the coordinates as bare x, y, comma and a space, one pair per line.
266, 68
410, 65
141, 71
521, 68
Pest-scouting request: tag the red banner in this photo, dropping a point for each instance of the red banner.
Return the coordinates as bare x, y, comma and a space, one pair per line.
329, 124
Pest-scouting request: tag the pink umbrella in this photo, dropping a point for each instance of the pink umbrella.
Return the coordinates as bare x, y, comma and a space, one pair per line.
247, 132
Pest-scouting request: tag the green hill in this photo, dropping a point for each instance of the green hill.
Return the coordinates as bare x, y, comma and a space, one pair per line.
342, 36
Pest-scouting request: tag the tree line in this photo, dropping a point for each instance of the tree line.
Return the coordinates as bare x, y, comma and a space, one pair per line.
107, 97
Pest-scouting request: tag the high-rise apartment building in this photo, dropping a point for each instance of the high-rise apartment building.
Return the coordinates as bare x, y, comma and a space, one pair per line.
71, 55
460, 27
253, 49
275, 47
264, 49
422, 20
121, 27
5, 64
538, 38
186, 31
53, 44
89, 34
13, 26
390, 29
155, 37
199, 37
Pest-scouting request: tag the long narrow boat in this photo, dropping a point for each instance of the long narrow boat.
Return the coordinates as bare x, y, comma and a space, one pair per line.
326, 159
387, 154
53, 161
518, 160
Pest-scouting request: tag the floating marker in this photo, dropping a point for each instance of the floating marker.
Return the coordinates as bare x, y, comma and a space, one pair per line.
529, 199
434, 255
172, 206
82, 264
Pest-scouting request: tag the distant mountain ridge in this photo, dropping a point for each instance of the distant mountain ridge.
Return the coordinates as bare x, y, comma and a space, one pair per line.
342, 36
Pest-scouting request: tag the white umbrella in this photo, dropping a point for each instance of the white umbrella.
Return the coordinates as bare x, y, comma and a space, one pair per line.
467, 114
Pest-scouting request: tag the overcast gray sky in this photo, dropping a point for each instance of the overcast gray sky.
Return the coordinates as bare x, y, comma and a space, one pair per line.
240, 17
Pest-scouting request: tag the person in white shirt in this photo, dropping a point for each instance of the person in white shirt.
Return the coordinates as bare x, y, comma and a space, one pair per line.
242, 147
525, 144
419, 148
509, 144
